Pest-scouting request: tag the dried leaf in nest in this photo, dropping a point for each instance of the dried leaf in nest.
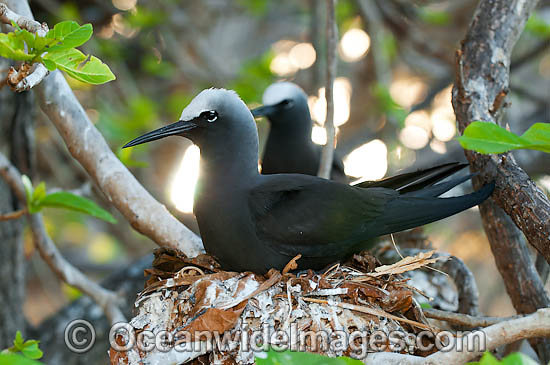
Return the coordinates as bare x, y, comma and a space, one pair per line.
216, 320
194, 297
407, 264
170, 260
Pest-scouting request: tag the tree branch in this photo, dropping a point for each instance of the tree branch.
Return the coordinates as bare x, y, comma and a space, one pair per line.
13, 215
120, 187
106, 299
22, 80
502, 333
327, 154
479, 93
463, 320
7, 17
482, 81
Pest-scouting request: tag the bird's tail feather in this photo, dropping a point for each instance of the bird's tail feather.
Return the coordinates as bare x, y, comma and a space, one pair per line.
440, 188
409, 210
413, 181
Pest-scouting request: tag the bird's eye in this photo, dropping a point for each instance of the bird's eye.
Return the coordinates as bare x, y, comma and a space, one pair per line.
287, 103
210, 116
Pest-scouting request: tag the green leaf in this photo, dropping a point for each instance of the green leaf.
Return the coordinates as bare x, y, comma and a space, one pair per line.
77, 203
18, 342
434, 17
538, 136
86, 69
28, 188
31, 350
13, 47
518, 358
489, 138
27, 36
50, 65
488, 359
302, 358
39, 193
538, 26
16, 359
34, 196
69, 34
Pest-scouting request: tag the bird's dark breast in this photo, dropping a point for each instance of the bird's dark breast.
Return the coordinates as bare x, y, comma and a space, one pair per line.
228, 233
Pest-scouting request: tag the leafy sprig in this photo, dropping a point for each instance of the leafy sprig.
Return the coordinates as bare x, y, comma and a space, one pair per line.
56, 50
37, 198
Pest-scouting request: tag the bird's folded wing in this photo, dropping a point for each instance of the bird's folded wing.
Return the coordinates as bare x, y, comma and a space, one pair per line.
311, 216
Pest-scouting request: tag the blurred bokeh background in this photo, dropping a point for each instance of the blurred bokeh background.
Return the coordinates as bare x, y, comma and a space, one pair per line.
392, 101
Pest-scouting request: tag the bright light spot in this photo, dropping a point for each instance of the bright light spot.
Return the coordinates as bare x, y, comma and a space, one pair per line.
370, 161
545, 182
444, 98
282, 65
408, 91
302, 55
354, 44
283, 46
443, 129
419, 118
319, 135
182, 188
414, 137
438, 146
443, 124
124, 4
342, 97
122, 27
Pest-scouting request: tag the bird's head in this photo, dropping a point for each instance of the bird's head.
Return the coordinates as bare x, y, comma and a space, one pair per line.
214, 117
284, 102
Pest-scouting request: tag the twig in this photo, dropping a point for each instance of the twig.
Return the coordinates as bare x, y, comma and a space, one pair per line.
107, 300
13, 215
371, 311
533, 325
468, 294
327, 154
464, 320
375, 27
7, 16
23, 79
36, 76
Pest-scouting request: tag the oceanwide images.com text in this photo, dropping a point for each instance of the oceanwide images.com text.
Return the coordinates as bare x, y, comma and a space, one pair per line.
358, 344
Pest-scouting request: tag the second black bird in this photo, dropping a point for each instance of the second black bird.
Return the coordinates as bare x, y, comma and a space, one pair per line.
289, 148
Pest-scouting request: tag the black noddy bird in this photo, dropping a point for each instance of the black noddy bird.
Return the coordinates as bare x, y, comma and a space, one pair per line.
255, 222
289, 148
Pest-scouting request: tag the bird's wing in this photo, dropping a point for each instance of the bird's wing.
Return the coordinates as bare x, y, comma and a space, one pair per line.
316, 217
301, 213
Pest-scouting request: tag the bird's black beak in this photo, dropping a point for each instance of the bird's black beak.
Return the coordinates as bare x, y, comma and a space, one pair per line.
169, 130
265, 110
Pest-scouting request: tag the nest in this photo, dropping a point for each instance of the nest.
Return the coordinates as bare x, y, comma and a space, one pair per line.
207, 315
